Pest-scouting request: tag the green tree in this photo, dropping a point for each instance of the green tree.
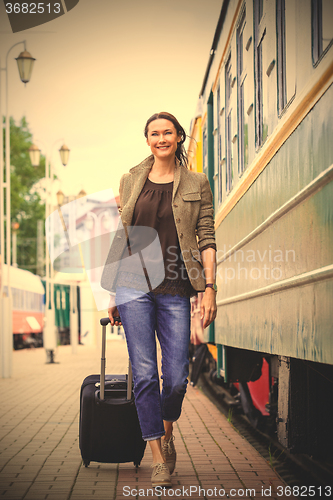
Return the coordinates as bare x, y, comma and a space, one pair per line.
26, 204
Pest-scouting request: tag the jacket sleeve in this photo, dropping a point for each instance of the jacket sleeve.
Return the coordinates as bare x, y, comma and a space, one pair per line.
205, 225
121, 192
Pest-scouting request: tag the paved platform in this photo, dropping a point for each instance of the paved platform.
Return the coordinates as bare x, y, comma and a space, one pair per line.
40, 457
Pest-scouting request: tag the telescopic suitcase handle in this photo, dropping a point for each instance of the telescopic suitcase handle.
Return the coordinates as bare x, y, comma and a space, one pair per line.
104, 322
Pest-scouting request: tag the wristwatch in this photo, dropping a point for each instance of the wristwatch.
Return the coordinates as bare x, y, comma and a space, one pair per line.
211, 285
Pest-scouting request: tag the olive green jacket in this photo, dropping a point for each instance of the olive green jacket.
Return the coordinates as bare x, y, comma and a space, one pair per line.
193, 214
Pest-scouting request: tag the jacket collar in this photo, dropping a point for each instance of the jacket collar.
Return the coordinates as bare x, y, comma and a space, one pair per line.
176, 179
146, 164
140, 173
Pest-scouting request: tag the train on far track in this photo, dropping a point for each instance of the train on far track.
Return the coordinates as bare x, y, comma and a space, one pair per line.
28, 299
28, 306
262, 132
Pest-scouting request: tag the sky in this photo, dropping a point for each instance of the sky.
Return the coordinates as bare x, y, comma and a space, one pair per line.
101, 71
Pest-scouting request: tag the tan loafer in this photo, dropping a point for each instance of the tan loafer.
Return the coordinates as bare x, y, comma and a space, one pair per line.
169, 453
160, 475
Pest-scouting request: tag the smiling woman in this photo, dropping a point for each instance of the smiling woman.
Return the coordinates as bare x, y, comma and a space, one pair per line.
162, 194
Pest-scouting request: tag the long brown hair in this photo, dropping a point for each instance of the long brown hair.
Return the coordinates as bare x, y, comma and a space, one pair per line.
180, 152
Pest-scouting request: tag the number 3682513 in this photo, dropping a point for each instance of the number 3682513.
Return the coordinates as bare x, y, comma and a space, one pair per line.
32, 8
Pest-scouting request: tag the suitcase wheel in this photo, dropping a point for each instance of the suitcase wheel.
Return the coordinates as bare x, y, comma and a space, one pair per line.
86, 462
137, 464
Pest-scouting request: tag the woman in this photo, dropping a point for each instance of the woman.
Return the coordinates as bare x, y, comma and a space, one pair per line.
161, 193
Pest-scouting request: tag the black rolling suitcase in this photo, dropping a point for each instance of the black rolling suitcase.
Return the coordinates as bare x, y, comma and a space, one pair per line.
109, 427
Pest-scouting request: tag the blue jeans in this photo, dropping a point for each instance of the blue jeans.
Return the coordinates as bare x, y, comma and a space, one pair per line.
141, 315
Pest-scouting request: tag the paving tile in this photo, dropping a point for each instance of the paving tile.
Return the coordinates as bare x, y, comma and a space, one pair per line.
34, 496
13, 485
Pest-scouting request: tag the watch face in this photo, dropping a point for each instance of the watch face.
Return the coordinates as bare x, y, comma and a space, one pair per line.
211, 285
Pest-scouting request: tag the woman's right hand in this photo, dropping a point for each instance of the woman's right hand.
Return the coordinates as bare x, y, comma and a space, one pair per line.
113, 313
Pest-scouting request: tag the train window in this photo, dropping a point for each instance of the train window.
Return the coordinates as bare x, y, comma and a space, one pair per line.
228, 129
243, 144
204, 149
286, 51
260, 82
20, 294
15, 298
35, 305
28, 300
322, 28
260, 9
58, 299
219, 148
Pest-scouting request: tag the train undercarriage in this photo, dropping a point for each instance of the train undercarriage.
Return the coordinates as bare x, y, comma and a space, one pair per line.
285, 397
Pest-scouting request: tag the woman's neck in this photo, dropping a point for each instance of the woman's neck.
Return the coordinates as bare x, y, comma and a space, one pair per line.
162, 171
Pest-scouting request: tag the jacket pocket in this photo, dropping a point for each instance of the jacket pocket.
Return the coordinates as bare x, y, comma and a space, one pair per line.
191, 196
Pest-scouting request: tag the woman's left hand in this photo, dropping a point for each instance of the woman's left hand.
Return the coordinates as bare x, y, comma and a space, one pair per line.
208, 307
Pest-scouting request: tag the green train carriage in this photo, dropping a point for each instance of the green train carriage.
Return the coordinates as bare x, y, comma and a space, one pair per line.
62, 297
263, 135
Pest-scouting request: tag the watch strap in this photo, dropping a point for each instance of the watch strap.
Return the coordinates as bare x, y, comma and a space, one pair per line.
211, 285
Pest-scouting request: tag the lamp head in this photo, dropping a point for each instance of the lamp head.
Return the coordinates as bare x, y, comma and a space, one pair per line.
82, 194
60, 198
34, 153
25, 63
64, 154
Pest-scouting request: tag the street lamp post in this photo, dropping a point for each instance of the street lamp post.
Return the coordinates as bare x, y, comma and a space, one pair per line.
49, 330
25, 64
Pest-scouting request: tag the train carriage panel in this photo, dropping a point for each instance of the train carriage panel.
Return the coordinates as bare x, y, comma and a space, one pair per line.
270, 258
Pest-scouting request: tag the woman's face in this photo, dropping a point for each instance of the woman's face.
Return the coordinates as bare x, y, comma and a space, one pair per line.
162, 138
